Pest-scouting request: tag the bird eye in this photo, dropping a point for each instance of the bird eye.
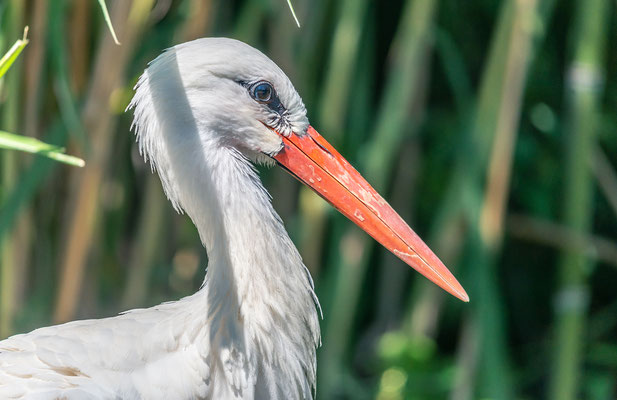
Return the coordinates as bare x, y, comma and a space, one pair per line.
262, 92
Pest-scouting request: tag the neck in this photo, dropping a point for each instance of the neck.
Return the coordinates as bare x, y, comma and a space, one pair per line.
252, 260
257, 305
257, 290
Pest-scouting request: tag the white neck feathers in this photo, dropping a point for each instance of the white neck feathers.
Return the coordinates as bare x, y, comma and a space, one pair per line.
260, 302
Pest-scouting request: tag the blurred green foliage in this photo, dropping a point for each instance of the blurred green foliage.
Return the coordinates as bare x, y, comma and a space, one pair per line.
489, 125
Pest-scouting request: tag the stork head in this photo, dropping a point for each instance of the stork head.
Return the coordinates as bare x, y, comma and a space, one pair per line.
236, 97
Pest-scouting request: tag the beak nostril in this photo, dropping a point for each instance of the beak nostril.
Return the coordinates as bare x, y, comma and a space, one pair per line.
321, 146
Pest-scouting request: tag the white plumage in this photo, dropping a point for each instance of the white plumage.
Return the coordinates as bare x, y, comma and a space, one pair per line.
205, 110
252, 330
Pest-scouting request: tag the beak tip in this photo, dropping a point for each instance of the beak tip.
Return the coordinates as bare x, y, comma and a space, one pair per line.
458, 292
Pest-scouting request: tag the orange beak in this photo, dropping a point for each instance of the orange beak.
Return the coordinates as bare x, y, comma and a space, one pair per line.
314, 162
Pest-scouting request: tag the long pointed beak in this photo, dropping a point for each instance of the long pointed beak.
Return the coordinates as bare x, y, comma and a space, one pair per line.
313, 161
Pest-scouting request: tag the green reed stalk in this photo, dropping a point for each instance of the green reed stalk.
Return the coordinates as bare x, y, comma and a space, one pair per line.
99, 121
584, 88
495, 124
12, 26
410, 46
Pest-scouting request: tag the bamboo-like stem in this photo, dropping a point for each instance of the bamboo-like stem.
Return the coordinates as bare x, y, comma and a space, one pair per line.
79, 45
460, 203
584, 87
342, 63
500, 165
34, 65
496, 116
129, 20
494, 363
33, 176
410, 45
9, 243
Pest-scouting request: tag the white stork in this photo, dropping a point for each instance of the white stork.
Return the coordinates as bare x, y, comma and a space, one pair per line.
203, 111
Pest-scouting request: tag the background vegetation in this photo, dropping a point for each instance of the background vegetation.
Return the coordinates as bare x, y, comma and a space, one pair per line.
490, 125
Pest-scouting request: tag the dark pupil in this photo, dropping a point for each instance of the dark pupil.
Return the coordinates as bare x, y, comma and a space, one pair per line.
263, 92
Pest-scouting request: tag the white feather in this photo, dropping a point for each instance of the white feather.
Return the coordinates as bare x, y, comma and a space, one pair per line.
251, 331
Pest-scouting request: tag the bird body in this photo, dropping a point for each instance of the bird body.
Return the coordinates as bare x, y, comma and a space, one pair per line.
204, 111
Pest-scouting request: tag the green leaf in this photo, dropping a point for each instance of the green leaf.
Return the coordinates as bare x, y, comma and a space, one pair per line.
31, 145
9, 58
108, 21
